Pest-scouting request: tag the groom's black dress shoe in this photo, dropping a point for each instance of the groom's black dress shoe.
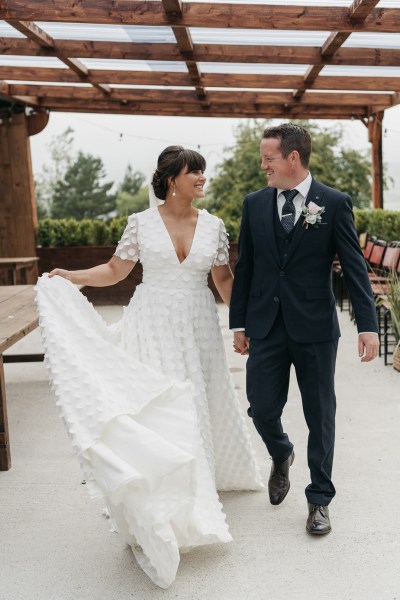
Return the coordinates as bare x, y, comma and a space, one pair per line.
279, 484
318, 522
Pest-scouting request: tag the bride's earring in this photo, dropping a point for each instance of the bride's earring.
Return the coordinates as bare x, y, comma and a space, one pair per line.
173, 192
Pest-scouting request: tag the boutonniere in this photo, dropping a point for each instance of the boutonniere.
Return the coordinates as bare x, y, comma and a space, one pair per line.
312, 214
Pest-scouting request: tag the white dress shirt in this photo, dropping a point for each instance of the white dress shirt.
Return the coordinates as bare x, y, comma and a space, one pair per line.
303, 188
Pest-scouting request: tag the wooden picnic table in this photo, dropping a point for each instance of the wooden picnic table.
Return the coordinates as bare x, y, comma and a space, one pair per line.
18, 317
18, 268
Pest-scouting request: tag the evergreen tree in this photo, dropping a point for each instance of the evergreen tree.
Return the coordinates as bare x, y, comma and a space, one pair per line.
61, 158
81, 193
131, 196
132, 181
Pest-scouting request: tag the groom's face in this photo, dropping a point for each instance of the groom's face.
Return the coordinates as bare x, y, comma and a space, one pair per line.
279, 170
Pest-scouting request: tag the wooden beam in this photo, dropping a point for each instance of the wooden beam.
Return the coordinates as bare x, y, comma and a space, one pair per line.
33, 32
203, 52
359, 10
98, 75
173, 10
49, 92
49, 75
396, 99
375, 137
37, 35
207, 14
195, 109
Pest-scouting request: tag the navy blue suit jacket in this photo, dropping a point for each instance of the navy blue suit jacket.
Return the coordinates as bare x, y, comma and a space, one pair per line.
302, 284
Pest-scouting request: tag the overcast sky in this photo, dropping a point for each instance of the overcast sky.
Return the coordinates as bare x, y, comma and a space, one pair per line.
120, 140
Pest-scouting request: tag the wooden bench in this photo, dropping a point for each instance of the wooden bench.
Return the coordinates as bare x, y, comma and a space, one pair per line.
18, 317
18, 269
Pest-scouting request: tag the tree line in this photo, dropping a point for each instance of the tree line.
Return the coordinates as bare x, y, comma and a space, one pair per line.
74, 185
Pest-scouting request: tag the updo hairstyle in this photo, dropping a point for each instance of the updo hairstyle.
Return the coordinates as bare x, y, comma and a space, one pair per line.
170, 163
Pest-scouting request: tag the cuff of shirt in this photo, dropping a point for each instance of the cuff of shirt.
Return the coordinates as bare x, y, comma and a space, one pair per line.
237, 329
362, 332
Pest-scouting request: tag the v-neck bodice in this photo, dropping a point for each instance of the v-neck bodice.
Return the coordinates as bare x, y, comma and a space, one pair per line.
147, 239
170, 238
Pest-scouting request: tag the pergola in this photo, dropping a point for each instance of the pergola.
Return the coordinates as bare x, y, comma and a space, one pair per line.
321, 60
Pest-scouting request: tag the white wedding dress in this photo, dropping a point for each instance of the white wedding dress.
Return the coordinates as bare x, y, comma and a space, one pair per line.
149, 403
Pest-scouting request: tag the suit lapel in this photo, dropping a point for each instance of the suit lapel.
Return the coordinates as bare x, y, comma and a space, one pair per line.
314, 195
268, 205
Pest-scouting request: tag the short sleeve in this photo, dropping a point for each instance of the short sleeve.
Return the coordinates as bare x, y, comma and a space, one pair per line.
222, 257
128, 247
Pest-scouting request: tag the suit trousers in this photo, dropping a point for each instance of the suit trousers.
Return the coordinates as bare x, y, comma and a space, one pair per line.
268, 371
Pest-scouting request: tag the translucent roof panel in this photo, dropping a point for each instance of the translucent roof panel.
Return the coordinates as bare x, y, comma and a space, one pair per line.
350, 71
253, 90
31, 61
287, 2
345, 3
373, 40
123, 86
134, 65
251, 69
7, 31
353, 92
108, 33
203, 35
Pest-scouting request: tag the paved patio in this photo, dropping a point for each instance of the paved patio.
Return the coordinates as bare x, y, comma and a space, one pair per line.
56, 545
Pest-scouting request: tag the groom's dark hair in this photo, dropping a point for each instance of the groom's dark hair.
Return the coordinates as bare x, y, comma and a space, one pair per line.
170, 163
291, 137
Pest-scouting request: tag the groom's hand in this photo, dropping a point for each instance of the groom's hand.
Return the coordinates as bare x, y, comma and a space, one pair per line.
368, 346
241, 342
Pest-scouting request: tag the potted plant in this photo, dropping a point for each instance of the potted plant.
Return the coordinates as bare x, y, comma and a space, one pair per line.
393, 298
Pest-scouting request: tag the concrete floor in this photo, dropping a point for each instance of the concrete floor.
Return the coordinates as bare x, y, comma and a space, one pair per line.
56, 545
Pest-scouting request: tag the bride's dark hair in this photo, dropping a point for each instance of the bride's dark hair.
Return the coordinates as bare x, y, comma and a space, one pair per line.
170, 163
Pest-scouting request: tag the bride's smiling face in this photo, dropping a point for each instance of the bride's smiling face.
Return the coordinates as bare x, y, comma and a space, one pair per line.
189, 184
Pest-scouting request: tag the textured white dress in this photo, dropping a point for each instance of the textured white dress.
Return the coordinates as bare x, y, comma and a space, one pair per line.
149, 403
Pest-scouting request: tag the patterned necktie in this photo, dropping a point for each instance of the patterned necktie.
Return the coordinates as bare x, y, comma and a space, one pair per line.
288, 210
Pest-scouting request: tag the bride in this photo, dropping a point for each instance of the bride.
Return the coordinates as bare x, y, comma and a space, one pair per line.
149, 404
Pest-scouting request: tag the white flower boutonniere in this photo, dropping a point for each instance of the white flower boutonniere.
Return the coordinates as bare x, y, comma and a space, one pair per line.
312, 214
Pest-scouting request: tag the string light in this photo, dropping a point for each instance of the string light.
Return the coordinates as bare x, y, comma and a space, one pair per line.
143, 137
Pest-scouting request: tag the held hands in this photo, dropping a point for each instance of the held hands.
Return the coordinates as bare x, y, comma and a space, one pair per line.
61, 272
241, 342
368, 346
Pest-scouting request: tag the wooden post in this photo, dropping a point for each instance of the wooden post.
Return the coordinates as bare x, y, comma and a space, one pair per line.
18, 219
5, 455
375, 137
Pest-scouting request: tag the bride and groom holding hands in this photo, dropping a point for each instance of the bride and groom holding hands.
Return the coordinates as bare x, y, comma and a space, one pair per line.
153, 413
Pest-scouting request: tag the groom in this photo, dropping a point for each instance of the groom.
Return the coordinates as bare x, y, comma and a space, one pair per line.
283, 308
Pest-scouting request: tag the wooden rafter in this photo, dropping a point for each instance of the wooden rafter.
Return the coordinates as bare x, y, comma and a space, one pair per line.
48, 92
39, 37
226, 53
195, 110
358, 11
311, 95
203, 14
210, 80
173, 10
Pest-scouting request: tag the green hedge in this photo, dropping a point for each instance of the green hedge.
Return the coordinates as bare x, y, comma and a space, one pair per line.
88, 232
384, 224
